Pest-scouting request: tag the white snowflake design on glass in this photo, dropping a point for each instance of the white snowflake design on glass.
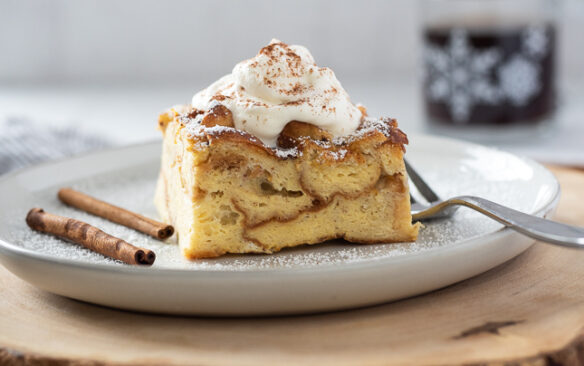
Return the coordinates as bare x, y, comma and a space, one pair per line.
519, 80
461, 76
535, 42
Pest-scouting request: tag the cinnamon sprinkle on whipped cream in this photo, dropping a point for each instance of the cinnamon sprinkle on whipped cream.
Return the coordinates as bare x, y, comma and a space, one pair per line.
281, 84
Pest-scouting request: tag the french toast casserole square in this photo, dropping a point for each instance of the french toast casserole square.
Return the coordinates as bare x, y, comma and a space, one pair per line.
227, 192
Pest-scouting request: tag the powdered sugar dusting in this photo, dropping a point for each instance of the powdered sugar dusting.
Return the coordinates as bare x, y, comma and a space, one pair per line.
286, 153
134, 190
368, 126
196, 129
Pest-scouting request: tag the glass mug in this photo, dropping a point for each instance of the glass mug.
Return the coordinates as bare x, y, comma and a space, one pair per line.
489, 62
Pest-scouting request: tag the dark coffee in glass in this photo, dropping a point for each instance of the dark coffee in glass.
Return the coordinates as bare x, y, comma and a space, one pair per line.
488, 62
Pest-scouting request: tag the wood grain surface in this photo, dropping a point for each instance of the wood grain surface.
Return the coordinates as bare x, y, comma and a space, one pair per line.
529, 311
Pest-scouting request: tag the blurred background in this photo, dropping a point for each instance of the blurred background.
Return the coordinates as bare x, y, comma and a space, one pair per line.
99, 72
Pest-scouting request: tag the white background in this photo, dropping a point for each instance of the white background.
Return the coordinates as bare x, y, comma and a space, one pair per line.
112, 66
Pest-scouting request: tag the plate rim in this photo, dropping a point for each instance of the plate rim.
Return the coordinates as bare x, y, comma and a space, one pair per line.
10, 249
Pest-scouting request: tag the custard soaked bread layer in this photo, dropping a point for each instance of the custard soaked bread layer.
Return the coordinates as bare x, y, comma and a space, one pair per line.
225, 191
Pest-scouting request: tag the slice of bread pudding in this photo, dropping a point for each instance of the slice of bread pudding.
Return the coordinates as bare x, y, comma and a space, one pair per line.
275, 155
226, 191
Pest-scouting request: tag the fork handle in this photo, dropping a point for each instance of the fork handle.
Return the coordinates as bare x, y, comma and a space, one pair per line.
532, 226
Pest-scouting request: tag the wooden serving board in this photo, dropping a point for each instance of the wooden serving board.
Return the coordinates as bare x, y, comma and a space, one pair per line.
527, 311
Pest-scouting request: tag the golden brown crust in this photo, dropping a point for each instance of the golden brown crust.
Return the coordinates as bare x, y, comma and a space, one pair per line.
218, 115
298, 136
396, 136
202, 254
295, 131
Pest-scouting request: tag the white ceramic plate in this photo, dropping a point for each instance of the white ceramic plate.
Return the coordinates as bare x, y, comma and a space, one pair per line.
332, 276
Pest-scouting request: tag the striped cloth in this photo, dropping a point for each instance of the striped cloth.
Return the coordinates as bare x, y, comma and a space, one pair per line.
24, 142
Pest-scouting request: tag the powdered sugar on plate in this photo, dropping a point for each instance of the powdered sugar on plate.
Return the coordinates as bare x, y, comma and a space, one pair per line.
134, 189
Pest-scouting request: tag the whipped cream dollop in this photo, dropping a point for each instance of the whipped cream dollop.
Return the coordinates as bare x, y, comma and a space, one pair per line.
281, 84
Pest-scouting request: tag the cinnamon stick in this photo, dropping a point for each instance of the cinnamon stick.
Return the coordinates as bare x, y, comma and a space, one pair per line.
89, 236
116, 214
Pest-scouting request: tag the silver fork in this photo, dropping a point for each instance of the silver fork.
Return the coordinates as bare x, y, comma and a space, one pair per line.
532, 226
